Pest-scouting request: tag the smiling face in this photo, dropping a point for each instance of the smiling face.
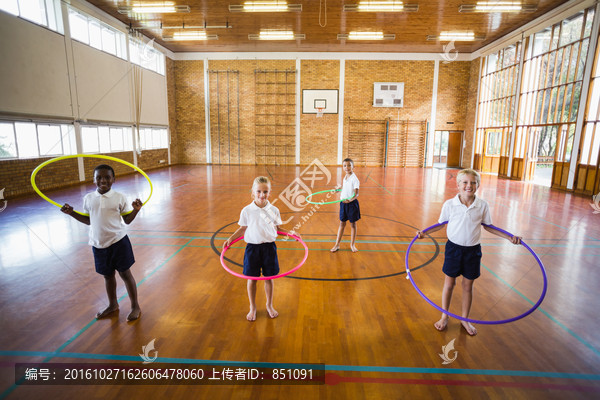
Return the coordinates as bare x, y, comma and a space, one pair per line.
347, 167
104, 179
261, 192
467, 186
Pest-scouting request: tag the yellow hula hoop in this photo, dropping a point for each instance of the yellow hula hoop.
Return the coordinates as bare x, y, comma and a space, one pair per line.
49, 200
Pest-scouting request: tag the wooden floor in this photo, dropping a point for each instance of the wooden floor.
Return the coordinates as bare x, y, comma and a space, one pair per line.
353, 318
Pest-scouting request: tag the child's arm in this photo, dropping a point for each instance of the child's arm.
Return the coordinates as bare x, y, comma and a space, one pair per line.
279, 228
137, 206
353, 197
67, 209
421, 235
240, 232
512, 239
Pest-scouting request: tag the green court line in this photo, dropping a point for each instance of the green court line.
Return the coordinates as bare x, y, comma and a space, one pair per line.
354, 368
363, 250
51, 355
557, 322
383, 187
361, 241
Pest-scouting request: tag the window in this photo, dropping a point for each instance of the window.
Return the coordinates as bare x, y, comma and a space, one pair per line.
493, 143
153, 138
106, 139
96, 34
42, 12
8, 145
146, 56
30, 140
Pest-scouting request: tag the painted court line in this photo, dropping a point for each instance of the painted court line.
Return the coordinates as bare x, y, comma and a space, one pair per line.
557, 322
333, 367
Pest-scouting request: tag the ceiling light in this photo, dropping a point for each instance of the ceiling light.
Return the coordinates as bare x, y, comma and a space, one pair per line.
276, 35
497, 6
381, 6
191, 35
366, 36
455, 36
265, 6
153, 8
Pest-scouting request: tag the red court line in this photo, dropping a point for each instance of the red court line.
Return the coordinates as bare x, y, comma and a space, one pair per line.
334, 379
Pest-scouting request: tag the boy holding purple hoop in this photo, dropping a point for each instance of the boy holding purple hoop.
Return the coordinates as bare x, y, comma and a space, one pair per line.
259, 223
464, 213
108, 237
349, 207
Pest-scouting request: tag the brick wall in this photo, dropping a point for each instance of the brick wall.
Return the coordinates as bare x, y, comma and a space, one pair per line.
470, 115
151, 159
358, 89
453, 91
189, 112
15, 175
172, 105
319, 136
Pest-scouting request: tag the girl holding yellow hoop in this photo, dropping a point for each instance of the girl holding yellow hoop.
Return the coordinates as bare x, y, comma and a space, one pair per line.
107, 210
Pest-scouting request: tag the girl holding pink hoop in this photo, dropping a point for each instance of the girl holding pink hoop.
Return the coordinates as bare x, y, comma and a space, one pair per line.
259, 223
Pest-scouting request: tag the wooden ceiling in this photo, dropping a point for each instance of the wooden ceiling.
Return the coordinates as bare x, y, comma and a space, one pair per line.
321, 22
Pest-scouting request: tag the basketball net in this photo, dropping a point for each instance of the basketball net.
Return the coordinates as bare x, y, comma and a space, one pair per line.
320, 112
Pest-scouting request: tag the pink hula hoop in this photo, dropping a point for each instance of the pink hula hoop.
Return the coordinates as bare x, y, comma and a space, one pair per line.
266, 278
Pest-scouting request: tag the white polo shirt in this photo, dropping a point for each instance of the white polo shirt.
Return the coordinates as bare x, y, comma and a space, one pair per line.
464, 224
106, 224
261, 223
350, 183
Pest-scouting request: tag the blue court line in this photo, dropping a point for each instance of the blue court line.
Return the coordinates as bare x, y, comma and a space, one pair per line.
51, 355
363, 250
352, 368
383, 187
362, 241
69, 341
557, 322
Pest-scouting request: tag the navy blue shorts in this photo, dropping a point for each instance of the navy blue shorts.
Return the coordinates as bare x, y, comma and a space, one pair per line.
462, 260
116, 257
349, 211
259, 257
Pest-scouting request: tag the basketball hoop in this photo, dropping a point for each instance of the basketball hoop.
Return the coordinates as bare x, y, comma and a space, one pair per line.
320, 111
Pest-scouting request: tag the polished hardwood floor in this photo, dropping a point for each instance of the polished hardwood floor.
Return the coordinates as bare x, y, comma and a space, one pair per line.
353, 318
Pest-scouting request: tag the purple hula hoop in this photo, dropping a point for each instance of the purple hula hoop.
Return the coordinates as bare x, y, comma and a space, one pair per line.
475, 321
266, 278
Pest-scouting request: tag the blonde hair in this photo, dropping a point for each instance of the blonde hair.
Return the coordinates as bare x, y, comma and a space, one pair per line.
259, 180
471, 172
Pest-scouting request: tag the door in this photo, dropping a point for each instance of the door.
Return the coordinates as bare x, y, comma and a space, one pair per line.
454, 149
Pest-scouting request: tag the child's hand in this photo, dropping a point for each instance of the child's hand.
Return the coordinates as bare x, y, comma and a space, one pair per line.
420, 234
67, 209
515, 239
137, 204
338, 186
226, 244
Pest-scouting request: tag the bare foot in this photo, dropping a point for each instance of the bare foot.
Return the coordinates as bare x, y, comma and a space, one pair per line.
469, 328
353, 248
442, 324
134, 314
272, 312
335, 248
106, 312
251, 316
